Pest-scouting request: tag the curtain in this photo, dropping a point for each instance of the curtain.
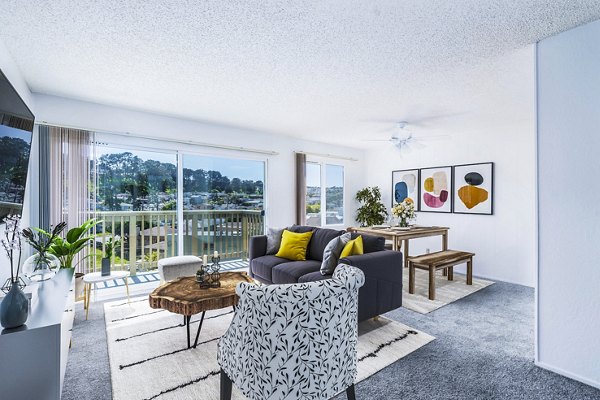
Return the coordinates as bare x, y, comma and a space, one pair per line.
68, 178
300, 188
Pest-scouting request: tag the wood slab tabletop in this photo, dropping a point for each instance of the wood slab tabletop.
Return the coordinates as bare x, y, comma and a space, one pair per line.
184, 295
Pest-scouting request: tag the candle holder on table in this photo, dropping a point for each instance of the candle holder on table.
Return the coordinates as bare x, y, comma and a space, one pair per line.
203, 277
215, 274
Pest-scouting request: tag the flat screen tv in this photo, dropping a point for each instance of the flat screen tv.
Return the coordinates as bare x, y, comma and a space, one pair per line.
16, 127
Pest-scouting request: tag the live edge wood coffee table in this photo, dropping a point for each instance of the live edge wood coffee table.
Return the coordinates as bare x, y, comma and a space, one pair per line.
184, 296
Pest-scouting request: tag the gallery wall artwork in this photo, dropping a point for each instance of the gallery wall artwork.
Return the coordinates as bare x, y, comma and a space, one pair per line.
405, 184
473, 191
435, 187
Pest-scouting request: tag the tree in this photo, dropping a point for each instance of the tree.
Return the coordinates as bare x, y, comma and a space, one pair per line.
236, 185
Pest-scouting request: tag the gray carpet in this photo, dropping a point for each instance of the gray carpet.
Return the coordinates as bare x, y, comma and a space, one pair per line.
483, 350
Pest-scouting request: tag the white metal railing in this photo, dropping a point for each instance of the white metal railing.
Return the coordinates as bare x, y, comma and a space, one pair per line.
148, 236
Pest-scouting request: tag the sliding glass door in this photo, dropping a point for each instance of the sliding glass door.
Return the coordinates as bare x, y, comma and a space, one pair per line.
161, 204
136, 199
223, 204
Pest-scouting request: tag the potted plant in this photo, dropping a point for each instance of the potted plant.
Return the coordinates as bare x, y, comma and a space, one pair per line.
43, 264
68, 247
112, 244
372, 211
14, 308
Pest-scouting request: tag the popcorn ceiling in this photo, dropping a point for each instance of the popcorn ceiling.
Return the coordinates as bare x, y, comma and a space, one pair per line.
311, 69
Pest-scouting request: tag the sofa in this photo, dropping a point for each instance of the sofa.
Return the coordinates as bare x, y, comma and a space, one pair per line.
382, 291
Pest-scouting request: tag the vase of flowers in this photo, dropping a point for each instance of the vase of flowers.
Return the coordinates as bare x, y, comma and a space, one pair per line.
14, 308
405, 212
43, 265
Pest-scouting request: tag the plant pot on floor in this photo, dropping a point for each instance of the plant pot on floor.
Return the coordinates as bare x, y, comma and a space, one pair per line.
79, 286
105, 266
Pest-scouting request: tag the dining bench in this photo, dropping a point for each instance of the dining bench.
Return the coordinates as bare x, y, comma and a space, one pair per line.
432, 262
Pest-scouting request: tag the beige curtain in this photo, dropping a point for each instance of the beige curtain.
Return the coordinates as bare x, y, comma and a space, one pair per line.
69, 178
300, 188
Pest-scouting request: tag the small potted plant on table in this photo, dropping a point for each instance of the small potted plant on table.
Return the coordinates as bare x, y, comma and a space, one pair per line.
111, 245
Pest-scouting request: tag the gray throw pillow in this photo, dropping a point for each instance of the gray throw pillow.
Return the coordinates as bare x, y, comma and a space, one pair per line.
274, 240
332, 253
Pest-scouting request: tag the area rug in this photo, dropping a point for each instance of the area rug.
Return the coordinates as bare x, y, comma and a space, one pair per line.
446, 291
149, 359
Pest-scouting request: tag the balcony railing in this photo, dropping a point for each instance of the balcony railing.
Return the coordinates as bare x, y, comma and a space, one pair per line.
148, 236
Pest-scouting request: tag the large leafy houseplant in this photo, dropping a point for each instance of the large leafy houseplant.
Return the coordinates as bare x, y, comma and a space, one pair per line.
372, 211
66, 248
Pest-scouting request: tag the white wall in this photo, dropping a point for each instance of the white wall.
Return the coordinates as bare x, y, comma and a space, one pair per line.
568, 337
504, 243
280, 171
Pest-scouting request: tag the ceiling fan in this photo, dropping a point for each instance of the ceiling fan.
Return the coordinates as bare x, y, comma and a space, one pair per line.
404, 139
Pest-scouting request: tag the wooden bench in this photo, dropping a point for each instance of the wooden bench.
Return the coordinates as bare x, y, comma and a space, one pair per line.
432, 262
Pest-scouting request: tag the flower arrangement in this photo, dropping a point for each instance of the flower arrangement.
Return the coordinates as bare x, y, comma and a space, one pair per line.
404, 211
12, 245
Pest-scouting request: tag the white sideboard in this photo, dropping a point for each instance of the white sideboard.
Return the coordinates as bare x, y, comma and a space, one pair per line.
33, 358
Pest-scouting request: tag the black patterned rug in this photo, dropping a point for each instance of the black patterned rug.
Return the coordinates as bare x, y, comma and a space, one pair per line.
149, 358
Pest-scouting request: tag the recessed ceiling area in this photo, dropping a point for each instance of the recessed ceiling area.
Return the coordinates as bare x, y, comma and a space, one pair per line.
324, 71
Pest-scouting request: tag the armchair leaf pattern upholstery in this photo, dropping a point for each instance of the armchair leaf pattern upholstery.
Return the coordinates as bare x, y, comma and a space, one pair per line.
295, 341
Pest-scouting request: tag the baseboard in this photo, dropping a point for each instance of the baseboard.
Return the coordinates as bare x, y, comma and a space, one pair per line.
568, 374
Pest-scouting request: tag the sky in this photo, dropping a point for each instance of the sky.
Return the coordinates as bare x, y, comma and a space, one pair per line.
230, 167
334, 175
13, 132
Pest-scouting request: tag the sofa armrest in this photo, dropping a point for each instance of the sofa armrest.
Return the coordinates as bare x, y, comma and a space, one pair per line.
257, 247
385, 265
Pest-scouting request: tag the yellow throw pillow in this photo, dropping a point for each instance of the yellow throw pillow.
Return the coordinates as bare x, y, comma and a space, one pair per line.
353, 248
293, 245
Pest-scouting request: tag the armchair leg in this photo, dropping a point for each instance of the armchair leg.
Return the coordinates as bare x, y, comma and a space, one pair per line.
350, 393
226, 386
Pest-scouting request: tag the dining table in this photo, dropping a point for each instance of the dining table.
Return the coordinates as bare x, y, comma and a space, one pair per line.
400, 236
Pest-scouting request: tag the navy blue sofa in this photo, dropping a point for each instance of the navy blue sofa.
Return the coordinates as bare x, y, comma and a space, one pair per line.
382, 291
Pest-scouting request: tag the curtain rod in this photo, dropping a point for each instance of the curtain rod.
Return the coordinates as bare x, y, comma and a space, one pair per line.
192, 142
326, 155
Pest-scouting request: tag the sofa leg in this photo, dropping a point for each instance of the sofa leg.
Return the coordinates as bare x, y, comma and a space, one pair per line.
376, 318
350, 393
225, 386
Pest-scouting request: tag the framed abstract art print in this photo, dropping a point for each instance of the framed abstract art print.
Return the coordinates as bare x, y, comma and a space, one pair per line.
405, 184
435, 185
473, 191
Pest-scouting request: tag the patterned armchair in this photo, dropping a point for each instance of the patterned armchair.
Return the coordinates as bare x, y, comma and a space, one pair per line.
295, 341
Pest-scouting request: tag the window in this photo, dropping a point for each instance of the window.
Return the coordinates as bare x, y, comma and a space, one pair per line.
313, 194
334, 195
223, 203
135, 197
324, 185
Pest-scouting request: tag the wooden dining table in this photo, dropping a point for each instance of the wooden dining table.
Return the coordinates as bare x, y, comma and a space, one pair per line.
400, 238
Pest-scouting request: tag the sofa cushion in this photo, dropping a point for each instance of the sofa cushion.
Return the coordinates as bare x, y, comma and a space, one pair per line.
371, 243
301, 228
320, 238
294, 246
262, 266
313, 276
353, 248
274, 240
332, 252
290, 272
